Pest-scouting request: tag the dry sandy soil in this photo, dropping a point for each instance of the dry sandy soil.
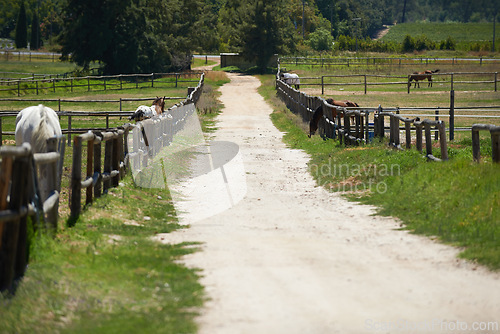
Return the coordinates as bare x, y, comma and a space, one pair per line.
290, 257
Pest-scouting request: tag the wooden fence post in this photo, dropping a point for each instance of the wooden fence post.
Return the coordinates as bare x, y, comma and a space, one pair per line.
97, 166
428, 139
495, 145
408, 134
452, 115
476, 153
418, 127
108, 155
442, 143
76, 180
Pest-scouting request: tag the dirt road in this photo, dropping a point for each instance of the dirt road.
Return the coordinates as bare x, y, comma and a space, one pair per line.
293, 258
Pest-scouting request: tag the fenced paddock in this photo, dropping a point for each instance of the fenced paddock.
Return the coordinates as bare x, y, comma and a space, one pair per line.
332, 124
459, 81
103, 170
382, 61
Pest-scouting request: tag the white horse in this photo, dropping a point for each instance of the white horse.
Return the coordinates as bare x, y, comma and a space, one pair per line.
291, 79
143, 112
34, 125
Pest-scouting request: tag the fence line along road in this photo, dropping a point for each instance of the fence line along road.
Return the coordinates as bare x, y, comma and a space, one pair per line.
330, 123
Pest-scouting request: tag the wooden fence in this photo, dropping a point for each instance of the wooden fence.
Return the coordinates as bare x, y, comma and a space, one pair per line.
93, 83
387, 61
330, 125
18, 180
367, 80
9, 55
71, 114
495, 141
117, 156
20, 198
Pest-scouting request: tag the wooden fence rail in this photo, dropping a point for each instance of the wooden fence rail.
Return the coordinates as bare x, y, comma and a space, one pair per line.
388, 61
108, 82
364, 80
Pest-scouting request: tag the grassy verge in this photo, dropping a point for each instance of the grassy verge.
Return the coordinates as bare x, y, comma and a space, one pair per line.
458, 201
106, 275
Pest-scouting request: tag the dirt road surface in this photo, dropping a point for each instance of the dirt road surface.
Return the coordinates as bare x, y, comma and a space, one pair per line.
292, 258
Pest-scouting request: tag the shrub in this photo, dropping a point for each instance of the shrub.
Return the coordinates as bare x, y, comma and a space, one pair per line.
320, 40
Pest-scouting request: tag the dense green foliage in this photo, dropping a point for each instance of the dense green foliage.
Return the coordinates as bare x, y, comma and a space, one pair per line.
21, 28
36, 38
154, 36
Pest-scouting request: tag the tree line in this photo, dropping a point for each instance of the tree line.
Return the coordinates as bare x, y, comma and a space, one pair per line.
155, 35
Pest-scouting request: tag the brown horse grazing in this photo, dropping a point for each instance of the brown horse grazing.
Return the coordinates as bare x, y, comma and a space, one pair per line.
417, 76
313, 124
318, 113
344, 104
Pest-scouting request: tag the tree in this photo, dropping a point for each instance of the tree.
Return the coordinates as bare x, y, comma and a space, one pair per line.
36, 40
321, 40
21, 29
266, 31
133, 36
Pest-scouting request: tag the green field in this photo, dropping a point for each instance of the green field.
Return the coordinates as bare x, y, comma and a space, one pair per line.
460, 32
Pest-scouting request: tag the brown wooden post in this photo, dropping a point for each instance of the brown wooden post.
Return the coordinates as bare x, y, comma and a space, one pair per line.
115, 160
436, 132
428, 139
76, 180
442, 143
97, 167
495, 145
476, 150
69, 131
89, 172
108, 156
419, 136
452, 115
408, 134
392, 134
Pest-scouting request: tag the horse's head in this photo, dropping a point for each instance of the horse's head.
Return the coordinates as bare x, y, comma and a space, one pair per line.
159, 104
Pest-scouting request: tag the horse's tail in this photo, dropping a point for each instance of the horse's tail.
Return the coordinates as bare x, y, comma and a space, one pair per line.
41, 131
435, 71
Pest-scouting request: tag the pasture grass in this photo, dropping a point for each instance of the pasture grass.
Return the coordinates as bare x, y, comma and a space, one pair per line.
457, 201
106, 274
440, 31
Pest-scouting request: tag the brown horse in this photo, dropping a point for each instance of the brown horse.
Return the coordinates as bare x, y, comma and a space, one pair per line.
318, 113
344, 104
159, 104
417, 76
